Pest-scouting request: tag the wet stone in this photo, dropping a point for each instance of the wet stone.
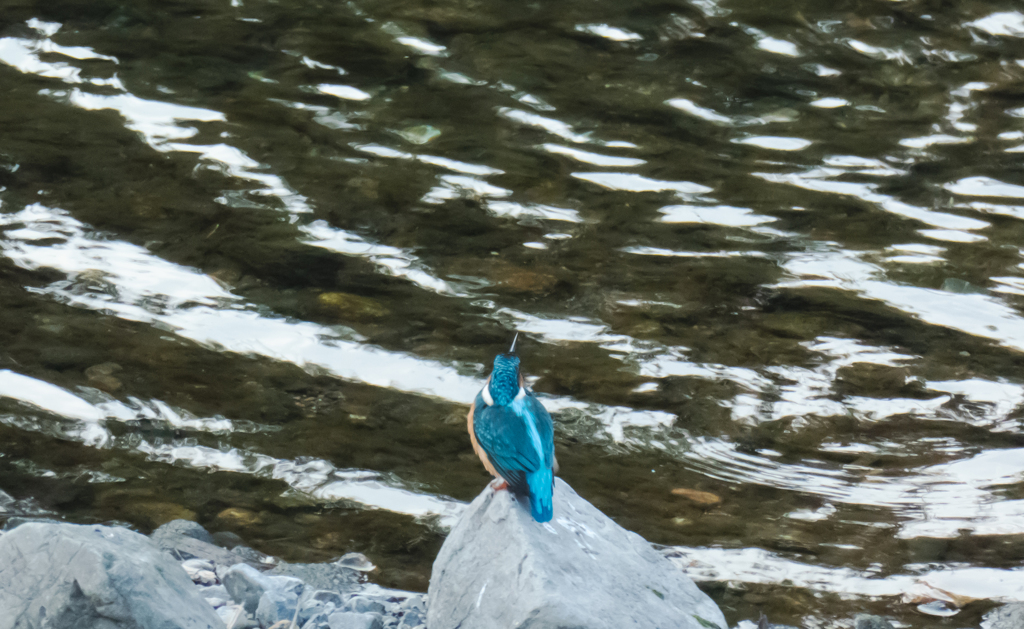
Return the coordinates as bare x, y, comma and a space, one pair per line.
102, 369
356, 561
528, 281
188, 528
102, 377
227, 539
62, 358
349, 306
700, 497
871, 379
237, 517
419, 134
866, 621
110, 384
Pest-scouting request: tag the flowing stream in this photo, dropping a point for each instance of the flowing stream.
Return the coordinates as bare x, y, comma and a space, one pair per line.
766, 259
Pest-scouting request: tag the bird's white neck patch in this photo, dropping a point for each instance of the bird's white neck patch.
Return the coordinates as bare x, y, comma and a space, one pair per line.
486, 393
521, 394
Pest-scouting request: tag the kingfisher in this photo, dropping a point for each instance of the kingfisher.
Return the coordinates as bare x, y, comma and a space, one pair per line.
513, 435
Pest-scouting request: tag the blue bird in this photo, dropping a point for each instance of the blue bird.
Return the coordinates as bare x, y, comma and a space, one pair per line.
513, 435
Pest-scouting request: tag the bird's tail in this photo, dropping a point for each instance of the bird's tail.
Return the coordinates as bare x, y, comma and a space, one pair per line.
540, 484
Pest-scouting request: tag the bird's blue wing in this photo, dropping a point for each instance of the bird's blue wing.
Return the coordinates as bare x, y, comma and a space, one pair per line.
540, 481
545, 428
505, 438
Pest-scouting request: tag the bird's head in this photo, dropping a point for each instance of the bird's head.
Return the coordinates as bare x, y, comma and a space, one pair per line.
505, 380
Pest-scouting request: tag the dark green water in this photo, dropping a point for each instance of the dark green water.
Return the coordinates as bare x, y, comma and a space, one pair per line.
256, 258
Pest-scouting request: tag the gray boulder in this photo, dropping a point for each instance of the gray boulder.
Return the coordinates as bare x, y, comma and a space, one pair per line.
1006, 617
500, 568
66, 576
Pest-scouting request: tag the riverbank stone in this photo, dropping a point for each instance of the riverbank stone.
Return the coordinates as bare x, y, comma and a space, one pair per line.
68, 576
191, 545
246, 585
280, 601
188, 528
1006, 617
866, 621
354, 620
500, 568
320, 576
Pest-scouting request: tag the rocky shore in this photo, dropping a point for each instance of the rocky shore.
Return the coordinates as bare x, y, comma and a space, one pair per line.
67, 576
496, 570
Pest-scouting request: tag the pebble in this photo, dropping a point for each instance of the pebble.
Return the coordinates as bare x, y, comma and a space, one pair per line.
279, 601
253, 556
700, 497
110, 384
201, 571
865, 621
193, 566
268, 598
230, 614
353, 620
246, 585
413, 618
215, 591
348, 306
205, 577
237, 517
317, 621
356, 561
361, 604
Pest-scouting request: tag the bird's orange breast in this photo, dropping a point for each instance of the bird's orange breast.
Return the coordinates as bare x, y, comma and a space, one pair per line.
476, 445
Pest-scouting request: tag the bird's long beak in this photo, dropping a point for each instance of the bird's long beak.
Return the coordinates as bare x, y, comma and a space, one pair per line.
512, 350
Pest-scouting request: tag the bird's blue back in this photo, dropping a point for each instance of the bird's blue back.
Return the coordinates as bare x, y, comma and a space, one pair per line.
517, 434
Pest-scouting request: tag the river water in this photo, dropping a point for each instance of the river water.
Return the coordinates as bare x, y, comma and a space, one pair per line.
256, 258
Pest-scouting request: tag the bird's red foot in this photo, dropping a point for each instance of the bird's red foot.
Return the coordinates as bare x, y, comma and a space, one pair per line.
500, 486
